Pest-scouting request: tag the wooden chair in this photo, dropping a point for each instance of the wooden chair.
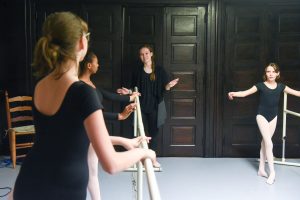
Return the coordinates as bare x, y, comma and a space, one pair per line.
20, 124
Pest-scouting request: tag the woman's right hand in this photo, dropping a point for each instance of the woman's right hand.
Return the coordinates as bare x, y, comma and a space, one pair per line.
133, 96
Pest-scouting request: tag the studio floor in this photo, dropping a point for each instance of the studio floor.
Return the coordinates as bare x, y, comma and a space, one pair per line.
197, 179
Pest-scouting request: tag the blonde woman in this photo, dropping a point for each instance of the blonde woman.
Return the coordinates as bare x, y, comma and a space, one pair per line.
68, 116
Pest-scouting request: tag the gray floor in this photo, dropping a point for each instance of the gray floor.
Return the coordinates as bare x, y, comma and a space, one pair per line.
197, 179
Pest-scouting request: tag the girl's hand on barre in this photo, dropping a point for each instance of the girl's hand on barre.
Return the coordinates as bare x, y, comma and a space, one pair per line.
152, 156
135, 142
124, 91
134, 95
127, 111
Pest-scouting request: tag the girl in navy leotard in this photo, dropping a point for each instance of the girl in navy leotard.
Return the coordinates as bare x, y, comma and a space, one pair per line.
266, 117
67, 117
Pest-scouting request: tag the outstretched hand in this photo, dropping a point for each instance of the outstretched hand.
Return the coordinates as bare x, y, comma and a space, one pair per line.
123, 91
172, 83
127, 111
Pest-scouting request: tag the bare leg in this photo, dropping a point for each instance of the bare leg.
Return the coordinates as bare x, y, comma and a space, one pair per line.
267, 130
93, 185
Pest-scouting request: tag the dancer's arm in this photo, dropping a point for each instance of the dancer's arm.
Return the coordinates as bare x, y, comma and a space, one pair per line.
111, 160
292, 91
242, 93
126, 91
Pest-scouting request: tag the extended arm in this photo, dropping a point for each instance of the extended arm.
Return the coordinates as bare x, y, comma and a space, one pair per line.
114, 96
120, 116
292, 91
242, 93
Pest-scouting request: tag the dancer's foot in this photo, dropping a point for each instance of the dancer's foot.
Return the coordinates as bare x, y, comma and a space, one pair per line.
262, 173
271, 178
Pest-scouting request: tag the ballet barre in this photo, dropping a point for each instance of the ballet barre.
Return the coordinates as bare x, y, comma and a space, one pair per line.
285, 112
148, 166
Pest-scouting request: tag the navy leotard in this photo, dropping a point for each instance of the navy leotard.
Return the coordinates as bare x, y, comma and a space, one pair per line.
268, 100
56, 167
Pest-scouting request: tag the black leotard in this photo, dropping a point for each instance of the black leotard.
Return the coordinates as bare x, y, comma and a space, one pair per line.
268, 100
56, 167
104, 94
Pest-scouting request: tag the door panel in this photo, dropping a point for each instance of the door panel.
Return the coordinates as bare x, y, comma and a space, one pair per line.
245, 57
143, 25
183, 134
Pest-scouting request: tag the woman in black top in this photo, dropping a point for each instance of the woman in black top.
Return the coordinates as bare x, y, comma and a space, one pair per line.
269, 92
88, 67
67, 116
152, 81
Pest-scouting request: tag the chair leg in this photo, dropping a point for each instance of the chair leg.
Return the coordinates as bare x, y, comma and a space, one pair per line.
12, 146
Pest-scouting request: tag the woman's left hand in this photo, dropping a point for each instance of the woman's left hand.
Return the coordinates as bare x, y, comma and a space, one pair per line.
172, 83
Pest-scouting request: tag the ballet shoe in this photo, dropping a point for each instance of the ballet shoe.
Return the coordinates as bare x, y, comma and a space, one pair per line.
270, 182
156, 164
262, 174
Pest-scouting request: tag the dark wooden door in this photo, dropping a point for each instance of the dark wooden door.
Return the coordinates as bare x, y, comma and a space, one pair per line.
254, 37
245, 57
177, 35
184, 53
143, 25
105, 25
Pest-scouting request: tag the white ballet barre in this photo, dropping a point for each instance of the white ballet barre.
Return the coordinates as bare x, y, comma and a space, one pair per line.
152, 183
285, 112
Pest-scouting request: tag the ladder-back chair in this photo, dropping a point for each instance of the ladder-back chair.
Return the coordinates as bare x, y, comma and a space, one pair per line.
20, 128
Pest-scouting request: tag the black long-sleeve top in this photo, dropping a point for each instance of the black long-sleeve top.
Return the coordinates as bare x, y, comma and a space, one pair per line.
151, 91
104, 94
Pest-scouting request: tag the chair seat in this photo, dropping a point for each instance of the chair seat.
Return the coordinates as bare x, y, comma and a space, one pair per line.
24, 129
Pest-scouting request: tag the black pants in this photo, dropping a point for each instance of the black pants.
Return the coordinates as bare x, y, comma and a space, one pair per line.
150, 126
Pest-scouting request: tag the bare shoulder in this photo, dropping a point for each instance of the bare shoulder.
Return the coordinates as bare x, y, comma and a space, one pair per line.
49, 94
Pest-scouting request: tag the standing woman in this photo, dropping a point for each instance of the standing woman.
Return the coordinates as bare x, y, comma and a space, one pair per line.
67, 116
88, 67
266, 117
152, 81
